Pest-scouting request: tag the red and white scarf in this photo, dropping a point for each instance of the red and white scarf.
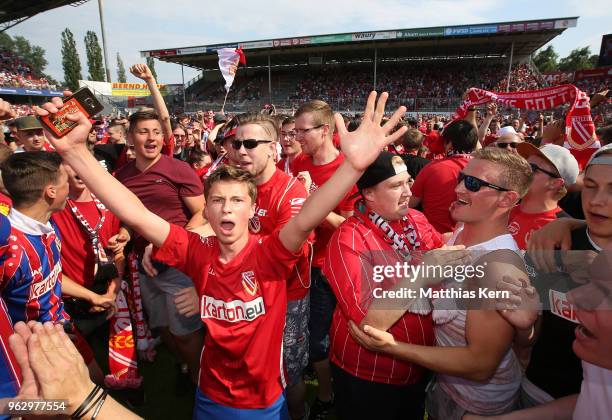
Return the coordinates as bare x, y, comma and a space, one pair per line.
579, 127
93, 233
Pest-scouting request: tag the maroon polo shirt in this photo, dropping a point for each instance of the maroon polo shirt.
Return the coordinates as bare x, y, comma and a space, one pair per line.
162, 187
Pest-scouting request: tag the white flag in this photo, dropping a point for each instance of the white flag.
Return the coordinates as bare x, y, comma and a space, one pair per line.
229, 58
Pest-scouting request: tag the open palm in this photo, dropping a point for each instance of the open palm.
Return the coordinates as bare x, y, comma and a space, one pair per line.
362, 146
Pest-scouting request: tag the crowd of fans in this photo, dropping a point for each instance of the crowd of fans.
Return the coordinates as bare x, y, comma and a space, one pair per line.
242, 240
15, 73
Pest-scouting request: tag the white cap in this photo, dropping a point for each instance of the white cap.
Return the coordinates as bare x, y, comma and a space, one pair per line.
558, 156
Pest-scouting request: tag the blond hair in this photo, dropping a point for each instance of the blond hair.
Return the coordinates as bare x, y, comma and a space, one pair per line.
321, 114
266, 122
516, 175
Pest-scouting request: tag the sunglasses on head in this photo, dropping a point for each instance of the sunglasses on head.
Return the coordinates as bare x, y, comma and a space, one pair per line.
248, 143
474, 184
506, 145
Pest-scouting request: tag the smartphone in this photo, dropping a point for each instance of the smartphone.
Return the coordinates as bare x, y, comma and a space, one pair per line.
82, 100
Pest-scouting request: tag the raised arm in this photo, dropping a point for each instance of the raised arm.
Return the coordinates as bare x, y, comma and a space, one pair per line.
121, 201
360, 148
143, 72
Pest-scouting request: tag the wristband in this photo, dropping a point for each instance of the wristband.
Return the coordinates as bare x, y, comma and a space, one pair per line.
78, 413
99, 406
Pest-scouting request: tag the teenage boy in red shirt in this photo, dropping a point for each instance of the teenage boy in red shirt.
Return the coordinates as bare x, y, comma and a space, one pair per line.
236, 274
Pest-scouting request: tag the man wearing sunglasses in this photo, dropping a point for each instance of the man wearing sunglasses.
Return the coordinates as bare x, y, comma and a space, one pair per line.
434, 187
476, 368
279, 198
508, 139
554, 170
314, 128
238, 276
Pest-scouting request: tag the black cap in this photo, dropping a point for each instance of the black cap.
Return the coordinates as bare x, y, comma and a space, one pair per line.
385, 166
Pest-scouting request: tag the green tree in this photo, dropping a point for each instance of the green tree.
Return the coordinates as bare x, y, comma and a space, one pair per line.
546, 60
33, 55
151, 64
578, 59
94, 57
70, 60
121, 78
594, 59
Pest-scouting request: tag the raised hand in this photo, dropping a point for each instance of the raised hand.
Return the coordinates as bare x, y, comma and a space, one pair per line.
6, 111
75, 138
141, 71
362, 146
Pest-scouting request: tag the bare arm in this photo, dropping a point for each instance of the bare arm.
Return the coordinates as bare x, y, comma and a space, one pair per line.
121, 201
196, 208
143, 72
360, 148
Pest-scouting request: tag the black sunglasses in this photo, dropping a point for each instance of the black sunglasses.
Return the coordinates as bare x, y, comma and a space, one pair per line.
536, 168
248, 143
505, 145
474, 184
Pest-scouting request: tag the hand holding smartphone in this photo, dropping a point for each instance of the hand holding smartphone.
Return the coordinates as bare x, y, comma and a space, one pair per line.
82, 100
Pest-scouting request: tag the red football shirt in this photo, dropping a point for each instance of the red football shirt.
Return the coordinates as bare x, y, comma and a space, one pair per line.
161, 188
435, 186
78, 260
521, 225
351, 255
243, 305
278, 200
287, 168
319, 175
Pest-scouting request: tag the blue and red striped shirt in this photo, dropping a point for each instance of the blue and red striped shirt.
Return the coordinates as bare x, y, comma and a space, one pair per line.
9, 372
31, 284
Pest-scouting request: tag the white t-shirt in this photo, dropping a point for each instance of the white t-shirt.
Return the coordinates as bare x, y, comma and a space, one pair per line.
595, 399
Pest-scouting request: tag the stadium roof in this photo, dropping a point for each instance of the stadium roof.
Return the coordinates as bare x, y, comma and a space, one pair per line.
13, 12
478, 40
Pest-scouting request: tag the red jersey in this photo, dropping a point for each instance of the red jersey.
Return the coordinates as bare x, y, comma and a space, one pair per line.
243, 304
278, 200
434, 142
286, 167
583, 156
521, 225
78, 259
435, 186
5, 204
319, 175
349, 268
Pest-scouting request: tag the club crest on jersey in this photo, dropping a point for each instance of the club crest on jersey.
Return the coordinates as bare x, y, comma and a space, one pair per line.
249, 283
254, 224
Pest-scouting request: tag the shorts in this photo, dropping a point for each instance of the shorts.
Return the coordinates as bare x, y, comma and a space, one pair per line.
158, 300
205, 408
322, 305
295, 339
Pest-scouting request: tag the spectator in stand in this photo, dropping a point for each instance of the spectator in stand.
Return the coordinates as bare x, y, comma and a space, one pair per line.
434, 187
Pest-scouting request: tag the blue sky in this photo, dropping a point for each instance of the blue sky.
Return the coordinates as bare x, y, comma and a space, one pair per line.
134, 25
